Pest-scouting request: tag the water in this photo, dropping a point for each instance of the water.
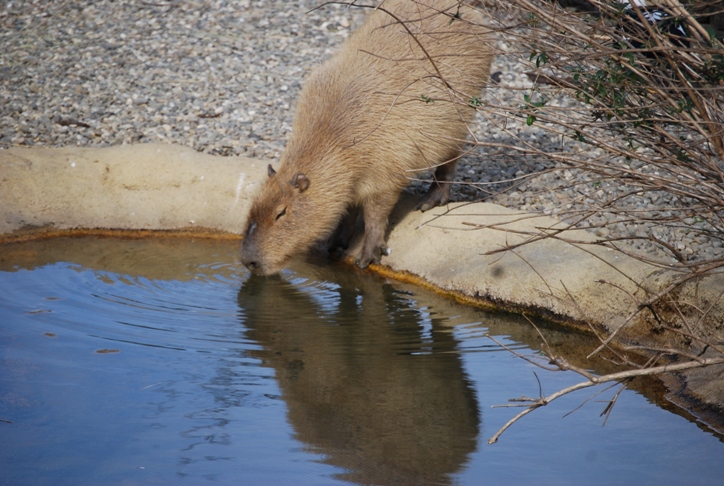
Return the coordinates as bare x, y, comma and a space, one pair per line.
162, 362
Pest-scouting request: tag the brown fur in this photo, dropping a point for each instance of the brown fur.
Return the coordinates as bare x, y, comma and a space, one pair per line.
366, 120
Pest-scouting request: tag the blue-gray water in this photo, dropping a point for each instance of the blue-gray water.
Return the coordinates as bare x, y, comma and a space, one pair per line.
162, 362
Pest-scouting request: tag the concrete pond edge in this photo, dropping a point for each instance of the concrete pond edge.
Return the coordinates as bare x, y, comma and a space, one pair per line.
455, 250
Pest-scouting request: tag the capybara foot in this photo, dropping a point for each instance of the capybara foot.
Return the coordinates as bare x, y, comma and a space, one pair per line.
436, 196
373, 255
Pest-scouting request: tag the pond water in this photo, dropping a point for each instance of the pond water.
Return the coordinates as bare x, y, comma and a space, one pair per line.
162, 361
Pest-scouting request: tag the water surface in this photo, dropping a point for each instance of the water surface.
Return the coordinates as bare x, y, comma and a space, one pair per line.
163, 362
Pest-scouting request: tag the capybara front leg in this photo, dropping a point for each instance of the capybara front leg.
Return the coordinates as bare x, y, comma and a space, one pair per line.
374, 246
439, 191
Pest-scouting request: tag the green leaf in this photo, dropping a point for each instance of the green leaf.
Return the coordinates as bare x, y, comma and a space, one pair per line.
541, 59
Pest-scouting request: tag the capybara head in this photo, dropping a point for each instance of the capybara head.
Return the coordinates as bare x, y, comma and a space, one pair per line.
286, 218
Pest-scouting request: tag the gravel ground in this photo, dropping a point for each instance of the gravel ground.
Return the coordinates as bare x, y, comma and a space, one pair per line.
221, 77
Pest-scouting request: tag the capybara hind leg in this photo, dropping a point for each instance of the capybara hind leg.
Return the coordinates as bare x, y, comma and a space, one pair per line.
439, 191
374, 246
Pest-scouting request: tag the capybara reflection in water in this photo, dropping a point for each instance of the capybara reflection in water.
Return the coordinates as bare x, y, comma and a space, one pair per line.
394, 101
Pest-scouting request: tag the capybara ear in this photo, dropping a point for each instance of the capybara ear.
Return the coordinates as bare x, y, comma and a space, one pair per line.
300, 182
270, 170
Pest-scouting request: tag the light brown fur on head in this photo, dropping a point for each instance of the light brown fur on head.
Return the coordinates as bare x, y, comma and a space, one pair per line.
365, 121
283, 221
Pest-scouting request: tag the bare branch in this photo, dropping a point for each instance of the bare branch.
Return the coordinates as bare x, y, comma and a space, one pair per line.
597, 380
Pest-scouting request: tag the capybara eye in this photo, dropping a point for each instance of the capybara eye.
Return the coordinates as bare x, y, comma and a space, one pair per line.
282, 213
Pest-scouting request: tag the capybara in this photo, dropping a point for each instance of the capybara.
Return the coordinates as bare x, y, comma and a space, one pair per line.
395, 100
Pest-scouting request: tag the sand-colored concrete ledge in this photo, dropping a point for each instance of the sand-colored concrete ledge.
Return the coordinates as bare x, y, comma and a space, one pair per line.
163, 187
149, 186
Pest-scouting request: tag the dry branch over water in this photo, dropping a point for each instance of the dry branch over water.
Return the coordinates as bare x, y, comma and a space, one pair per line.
640, 90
